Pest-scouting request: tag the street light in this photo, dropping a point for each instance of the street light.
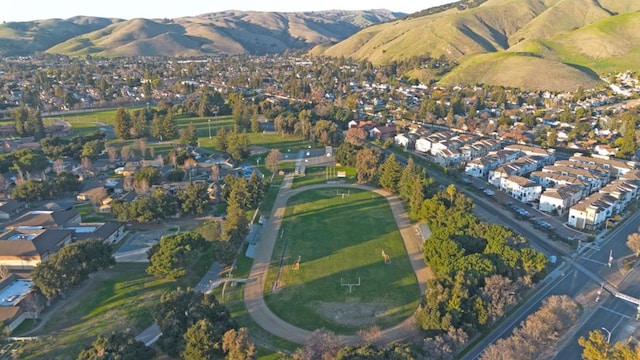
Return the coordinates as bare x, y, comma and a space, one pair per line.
608, 333
209, 121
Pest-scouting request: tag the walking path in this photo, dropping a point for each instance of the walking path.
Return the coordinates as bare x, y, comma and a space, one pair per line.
254, 288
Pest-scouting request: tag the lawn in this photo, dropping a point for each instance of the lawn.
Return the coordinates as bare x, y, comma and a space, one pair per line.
318, 175
118, 299
340, 239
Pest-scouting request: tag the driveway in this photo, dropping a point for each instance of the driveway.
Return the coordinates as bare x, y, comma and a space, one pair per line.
254, 288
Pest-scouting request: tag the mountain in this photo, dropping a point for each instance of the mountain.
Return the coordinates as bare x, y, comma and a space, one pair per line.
228, 32
537, 44
25, 38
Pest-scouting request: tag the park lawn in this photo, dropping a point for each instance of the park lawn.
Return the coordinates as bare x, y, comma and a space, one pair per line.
118, 299
341, 239
318, 175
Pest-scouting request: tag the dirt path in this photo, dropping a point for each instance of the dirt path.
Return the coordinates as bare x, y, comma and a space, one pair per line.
253, 291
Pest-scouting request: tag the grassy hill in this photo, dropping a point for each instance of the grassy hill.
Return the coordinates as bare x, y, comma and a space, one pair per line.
228, 32
570, 40
25, 38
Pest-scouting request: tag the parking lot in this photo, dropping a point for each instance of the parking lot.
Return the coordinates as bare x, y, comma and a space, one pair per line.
136, 246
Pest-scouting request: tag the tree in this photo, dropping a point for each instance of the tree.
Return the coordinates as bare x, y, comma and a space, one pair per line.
346, 154
272, 160
390, 172
189, 135
118, 345
321, 344
627, 142
180, 309
30, 161
595, 347
31, 190
633, 243
71, 265
194, 198
122, 124
200, 342
356, 136
366, 165
169, 258
236, 226
221, 141
148, 174
238, 345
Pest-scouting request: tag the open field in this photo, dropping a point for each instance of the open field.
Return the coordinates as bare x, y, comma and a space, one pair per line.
318, 175
338, 242
118, 299
90, 121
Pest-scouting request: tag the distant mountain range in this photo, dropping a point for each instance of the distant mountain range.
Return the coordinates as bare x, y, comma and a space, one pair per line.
531, 44
229, 32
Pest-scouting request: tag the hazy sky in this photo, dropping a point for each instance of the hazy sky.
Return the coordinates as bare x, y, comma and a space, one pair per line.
23, 10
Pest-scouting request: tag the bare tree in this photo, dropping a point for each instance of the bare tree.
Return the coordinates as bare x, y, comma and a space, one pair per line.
142, 146
498, 292
127, 183
141, 187
189, 165
215, 172
125, 153
112, 152
58, 166
444, 346
633, 242
371, 335
320, 345
356, 136
97, 195
272, 160
86, 163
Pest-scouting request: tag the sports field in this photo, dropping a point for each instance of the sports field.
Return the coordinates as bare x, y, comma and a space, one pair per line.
340, 240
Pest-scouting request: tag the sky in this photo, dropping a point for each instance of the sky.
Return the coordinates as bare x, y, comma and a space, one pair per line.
25, 10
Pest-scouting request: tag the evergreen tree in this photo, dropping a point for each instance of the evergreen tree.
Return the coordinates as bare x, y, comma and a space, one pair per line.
200, 342
122, 124
390, 172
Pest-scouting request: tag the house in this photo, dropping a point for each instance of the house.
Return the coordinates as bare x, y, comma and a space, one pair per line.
520, 188
26, 248
109, 233
547, 154
9, 208
45, 219
448, 157
623, 190
617, 168
594, 181
478, 167
551, 180
605, 150
423, 144
382, 132
560, 199
18, 301
592, 212
403, 140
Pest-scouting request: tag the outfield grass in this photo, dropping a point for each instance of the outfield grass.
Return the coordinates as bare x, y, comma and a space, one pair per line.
341, 238
114, 300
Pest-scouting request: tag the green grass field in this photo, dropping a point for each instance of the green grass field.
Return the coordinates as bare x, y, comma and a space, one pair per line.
341, 238
115, 300
318, 175
90, 121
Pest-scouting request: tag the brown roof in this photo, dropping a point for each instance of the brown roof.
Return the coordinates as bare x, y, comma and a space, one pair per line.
9, 313
34, 245
101, 233
44, 219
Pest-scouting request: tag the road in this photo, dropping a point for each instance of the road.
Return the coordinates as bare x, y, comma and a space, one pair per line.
255, 287
610, 313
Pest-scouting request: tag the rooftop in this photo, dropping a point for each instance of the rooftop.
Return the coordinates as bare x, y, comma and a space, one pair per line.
14, 292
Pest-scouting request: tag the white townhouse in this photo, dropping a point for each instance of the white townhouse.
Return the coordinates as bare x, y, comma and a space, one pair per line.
625, 191
617, 168
521, 188
551, 180
592, 212
560, 199
594, 181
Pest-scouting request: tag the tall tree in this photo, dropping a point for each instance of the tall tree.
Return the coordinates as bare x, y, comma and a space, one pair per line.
200, 342
118, 345
194, 198
238, 345
272, 160
122, 123
390, 172
366, 165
